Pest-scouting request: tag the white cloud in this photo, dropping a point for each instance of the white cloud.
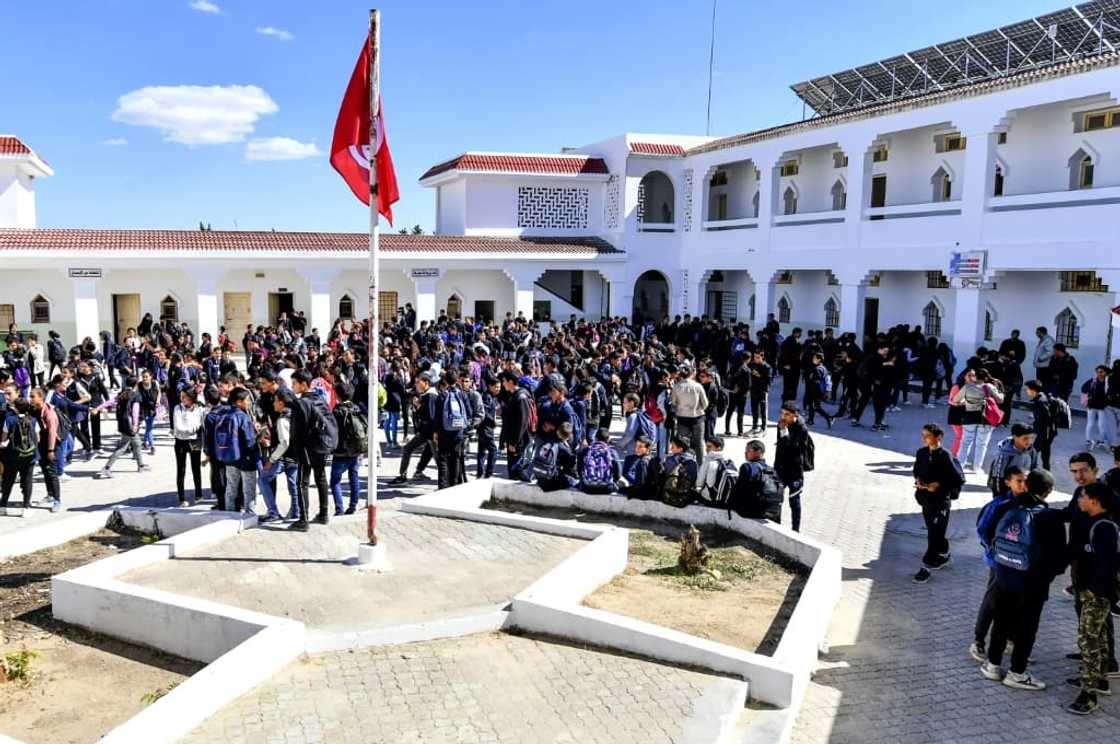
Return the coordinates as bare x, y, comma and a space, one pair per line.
205, 6
115, 141
196, 114
278, 33
280, 148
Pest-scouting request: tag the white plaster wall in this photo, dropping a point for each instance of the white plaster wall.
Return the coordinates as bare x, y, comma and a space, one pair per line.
246, 280
902, 297
476, 285
740, 189
20, 286
491, 204
451, 218
152, 286
813, 181
912, 161
17, 198
1040, 142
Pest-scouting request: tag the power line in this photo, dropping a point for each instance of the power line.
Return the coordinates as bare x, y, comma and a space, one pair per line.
711, 62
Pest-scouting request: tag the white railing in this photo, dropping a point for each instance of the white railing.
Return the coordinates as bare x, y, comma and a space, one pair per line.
1055, 198
914, 210
732, 224
828, 215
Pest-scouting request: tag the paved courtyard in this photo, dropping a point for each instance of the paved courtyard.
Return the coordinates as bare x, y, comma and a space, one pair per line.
490, 688
897, 669
441, 568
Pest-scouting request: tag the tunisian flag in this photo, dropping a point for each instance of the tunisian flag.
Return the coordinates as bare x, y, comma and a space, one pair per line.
350, 146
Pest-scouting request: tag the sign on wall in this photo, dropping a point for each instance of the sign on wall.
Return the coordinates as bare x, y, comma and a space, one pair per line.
424, 273
85, 273
967, 264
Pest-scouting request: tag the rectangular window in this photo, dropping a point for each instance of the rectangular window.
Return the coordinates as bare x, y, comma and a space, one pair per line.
790, 168
1099, 120
786, 277
387, 303
719, 178
1001, 138
880, 154
1082, 281
40, 310
542, 310
936, 280
955, 142
839, 160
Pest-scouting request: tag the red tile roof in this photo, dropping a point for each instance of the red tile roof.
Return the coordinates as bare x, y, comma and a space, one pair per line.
10, 145
563, 165
196, 240
656, 148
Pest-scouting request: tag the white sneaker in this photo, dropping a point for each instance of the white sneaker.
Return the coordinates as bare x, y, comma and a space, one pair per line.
56, 507
976, 651
988, 670
1023, 681
21, 513
3, 511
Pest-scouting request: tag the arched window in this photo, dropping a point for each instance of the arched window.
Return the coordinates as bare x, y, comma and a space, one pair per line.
1067, 330
40, 310
831, 313
169, 310
754, 204
751, 303
789, 200
1081, 170
454, 307
942, 185
997, 189
784, 310
839, 196
656, 200
346, 307
989, 325
931, 315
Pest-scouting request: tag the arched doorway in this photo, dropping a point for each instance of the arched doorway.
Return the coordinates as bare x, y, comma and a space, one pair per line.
651, 297
454, 307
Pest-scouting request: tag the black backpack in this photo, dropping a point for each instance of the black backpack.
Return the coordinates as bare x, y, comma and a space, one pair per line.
808, 455
21, 438
56, 352
353, 432
65, 425
322, 429
1059, 414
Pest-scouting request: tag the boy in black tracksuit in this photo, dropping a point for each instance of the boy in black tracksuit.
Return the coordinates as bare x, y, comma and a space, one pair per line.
487, 444
1018, 596
762, 376
935, 481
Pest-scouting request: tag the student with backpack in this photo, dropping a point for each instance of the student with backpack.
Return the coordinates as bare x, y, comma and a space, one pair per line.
1029, 547
600, 467
280, 458
215, 409
554, 466
762, 377
1097, 591
353, 442
818, 386
739, 383
451, 436
793, 457
56, 354
678, 477
487, 430
317, 435
519, 425
425, 413
1017, 449
235, 445
638, 424
19, 446
640, 471
126, 404
757, 492
1045, 423
50, 436
717, 474
1016, 482
937, 481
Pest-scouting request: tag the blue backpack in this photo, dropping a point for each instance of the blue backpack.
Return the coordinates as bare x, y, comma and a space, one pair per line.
825, 378
646, 427
984, 523
1014, 546
545, 461
227, 440
597, 466
454, 412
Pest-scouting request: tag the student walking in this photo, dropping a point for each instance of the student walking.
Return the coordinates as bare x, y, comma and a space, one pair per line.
50, 436
353, 433
235, 444
937, 481
981, 400
127, 407
793, 457
186, 428
19, 448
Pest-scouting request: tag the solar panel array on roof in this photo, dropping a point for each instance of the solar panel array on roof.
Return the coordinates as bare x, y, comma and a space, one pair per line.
1071, 33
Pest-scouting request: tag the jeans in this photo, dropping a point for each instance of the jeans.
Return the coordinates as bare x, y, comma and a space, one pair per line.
487, 454
795, 488
392, 425
62, 453
348, 466
1103, 422
149, 422
183, 452
247, 480
218, 483
267, 481
974, 444
127, 441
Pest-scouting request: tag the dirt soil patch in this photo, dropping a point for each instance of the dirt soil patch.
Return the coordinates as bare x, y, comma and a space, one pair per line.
81, 684
747, 606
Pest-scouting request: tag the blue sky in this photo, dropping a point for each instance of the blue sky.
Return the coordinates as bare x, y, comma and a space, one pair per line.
503, 75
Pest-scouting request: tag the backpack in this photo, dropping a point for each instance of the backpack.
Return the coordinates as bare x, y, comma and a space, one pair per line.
679, 485
984, 524
454, 412
955, 493
825, 380
808, 455
723, 399
1089, 545
766, 501
647, 428
353, 433
993, 414
21, 377
227, 439
545, 461
726, 478
22, 438
65, 425
532, 410
56, 352
653, 410
1014, 546
597, 471
322, 426
1060, 414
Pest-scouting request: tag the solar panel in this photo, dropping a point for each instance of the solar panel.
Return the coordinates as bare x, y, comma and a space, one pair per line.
1070, 33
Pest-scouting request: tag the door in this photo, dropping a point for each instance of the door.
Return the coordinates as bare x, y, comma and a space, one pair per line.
484, 310
238, 307
454, 307
870, 317
7, 316
126, 313
878, 194
280, 302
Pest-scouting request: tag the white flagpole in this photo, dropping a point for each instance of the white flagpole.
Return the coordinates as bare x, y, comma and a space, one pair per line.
374, 269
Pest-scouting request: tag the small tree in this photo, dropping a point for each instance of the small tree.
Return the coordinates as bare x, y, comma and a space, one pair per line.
417, 230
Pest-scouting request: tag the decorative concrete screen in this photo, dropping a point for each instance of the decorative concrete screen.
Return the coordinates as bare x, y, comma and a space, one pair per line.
553, 208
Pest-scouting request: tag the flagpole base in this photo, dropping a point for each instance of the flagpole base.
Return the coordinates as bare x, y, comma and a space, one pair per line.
374, 558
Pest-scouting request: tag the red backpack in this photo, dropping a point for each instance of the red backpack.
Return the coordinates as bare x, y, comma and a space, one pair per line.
532, 411
653, 410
